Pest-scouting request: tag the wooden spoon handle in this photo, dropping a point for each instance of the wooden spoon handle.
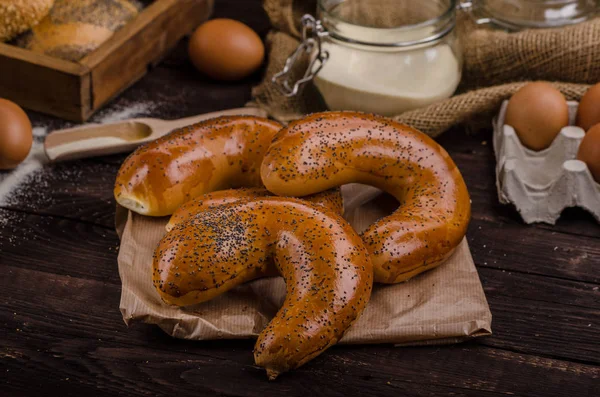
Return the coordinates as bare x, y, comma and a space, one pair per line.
103, 139
162, 127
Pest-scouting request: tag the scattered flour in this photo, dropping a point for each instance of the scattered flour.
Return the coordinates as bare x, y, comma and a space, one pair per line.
124, 113
26, 171
14, 182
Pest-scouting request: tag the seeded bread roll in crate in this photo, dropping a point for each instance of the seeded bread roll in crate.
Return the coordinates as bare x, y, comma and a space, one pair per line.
57, 80
73, 29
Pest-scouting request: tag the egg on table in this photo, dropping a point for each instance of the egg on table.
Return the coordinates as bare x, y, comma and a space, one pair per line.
537, 112
225, 49
589, 151
16, 135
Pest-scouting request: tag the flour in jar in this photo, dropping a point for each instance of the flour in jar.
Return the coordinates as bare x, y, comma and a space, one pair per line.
387, 82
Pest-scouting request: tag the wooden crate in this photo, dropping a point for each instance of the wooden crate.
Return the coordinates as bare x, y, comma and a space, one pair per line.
75, 90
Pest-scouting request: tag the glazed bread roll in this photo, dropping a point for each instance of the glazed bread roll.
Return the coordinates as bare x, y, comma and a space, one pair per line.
74, 28
330, 149
331, 199
18, 16
216, 154
323, 261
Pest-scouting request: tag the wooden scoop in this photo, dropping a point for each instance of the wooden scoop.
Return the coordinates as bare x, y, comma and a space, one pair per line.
124, 136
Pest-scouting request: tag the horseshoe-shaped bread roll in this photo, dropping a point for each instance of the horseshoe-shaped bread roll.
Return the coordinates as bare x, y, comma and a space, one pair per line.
331, 199
326, 268
330, 149
215, 154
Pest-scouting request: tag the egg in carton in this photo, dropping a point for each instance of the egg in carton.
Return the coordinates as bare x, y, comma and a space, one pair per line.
542, 184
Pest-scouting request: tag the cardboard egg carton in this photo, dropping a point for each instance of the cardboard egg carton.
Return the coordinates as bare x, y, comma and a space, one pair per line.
542, 184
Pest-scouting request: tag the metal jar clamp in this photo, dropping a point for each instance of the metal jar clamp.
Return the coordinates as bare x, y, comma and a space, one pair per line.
312, 33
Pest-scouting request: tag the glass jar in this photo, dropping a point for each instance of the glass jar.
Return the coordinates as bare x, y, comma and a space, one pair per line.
379, 56
514, 15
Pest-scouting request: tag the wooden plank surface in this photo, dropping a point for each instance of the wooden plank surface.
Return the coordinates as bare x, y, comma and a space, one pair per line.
62, 330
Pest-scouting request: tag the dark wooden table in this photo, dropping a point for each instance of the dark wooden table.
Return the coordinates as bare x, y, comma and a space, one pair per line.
62, 330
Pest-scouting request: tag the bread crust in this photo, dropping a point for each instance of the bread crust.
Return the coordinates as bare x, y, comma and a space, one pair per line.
329, 149
330, 199
216, 154
326, 268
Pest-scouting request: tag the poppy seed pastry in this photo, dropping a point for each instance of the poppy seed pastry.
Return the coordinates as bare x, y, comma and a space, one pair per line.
325, 266
216, 154
330, 149
331, 199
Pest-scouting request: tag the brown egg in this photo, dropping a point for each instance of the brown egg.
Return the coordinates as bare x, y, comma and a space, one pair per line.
537, 112
589, 151
15, 134
588, 111
225, 49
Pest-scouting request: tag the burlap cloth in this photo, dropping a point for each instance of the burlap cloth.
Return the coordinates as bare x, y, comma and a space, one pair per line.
496, 64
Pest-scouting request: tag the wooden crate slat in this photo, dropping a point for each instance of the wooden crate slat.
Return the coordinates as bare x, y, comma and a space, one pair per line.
41, 83
126, 59
75, 91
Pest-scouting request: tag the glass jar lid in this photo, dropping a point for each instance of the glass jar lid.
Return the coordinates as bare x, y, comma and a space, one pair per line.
387, 23
526, 14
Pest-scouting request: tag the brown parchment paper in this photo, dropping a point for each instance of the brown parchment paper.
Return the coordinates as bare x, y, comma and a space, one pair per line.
444, 305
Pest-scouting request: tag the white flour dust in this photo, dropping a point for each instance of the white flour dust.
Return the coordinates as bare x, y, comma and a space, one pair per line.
10, 183
124, 113
17, 186
11, 180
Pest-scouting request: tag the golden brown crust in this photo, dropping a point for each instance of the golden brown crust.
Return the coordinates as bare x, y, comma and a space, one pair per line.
331, 199
326, 268
73, 29
330, 149
215, 154
18, 16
